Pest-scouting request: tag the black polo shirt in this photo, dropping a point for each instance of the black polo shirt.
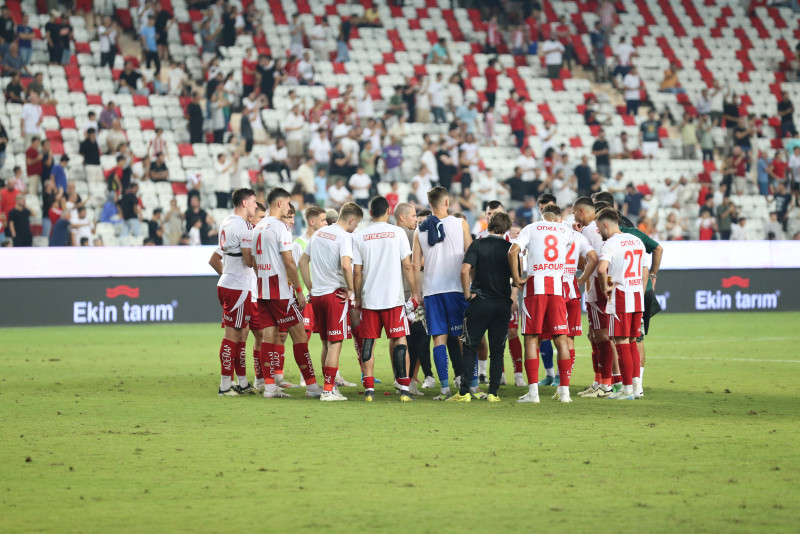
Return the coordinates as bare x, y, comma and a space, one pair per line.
490, 269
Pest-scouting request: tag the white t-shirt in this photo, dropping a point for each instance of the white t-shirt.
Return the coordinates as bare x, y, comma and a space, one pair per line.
82, 231
338, 195
222, 181
106, 40
380, 248
364, 107
547, 244
175, 78
424, 186
235, 234
326, 249
794, 166
716, 99
456, 95
360, 184
578, 249
527, 164
632, 84
565, 194
436, 94
624, 51
271, 237
443, 260
625, 253
30, 116
305, 69
321, 148
252, 112
553, 52
544, 134
429, 159
293, 120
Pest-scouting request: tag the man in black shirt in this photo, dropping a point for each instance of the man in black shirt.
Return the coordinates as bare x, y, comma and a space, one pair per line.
601, 154
129, 206
158, 169
445, 166
786, 112
163, 23
267, 71
156, 227
52, 29
128, 79
517, 187
489, 295
19, 224
584, 175
195, 116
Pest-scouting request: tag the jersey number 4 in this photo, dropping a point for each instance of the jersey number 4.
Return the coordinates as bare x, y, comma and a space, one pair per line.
629, 257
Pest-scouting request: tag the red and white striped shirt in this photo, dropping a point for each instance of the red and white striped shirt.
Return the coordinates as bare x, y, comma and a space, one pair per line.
579, 249
547, 244
624, 254
159, 144
594, 293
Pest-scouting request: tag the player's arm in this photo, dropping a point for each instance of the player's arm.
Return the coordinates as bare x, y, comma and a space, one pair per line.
347, 272
305, 261
514, 300
358, 283
602, 274
291, 268
656, 264
466, 275
588, 269
416, 255
513, 262
216, 262
467, 234
408, 273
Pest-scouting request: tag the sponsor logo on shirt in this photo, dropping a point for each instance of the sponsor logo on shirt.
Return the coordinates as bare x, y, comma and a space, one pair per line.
326, 235
379, 235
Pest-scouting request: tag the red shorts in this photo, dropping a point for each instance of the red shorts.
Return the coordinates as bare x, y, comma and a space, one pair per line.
308, 319
85, 6
544, 314
331, 317
236, 306
598, 319
281, 313
574, 317
513, 324
393, 320
624, 324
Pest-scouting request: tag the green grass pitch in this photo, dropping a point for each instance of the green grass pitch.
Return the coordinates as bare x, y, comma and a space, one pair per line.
119, 429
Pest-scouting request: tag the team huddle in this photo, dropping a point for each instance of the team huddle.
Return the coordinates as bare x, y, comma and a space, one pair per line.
433, 281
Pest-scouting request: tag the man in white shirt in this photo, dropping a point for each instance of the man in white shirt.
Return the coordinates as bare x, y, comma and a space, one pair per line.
319, 39
81, 226
546, 136
31, 119
667, 195
305, 69
327, 260
364, 107
739, 231
338, 194
381, 259
527, 163
423, 181
360, 183
293, 126
224, 170
436, 96
624, 53
428, 159
320, 149
703, 103
553, 52
633, 85
275, 160
107, 32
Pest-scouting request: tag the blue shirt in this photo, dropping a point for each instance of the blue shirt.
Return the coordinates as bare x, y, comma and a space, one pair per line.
60, 176
149, 34
322, 187
25, 43
59, 235
763, 177
468, 116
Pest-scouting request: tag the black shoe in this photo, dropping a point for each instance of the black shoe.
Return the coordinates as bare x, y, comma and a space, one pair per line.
247, 390
482, 379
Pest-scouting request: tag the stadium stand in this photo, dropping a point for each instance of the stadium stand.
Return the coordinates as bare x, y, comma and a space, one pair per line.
749, 55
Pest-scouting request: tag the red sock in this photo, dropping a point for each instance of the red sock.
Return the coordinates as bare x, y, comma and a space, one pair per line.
404, 381
616, 379
281, 349
596, 360
303, 360
625, 363
571, 360
227, 353
605, 358
257, 362
240, 362
532, 370
564, 371
515, 347
330, 375
266, 355
369, 382
637, 359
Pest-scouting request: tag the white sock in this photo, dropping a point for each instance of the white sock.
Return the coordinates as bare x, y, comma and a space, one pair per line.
446, 391
533, 389
637, 382
225, 382
595, 384
550, 372
243, 383
563, 390
628, 390
482, 367
259, 381
278, 377
605, 387
641, 374
338, 376
517, 375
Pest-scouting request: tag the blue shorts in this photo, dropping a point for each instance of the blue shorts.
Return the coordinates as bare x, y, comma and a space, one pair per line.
444, 313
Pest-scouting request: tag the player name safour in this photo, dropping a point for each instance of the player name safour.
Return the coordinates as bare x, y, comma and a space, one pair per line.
548, 266
717, 300
84, 312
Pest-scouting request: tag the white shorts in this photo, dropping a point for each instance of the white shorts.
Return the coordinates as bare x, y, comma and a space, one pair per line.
649, 148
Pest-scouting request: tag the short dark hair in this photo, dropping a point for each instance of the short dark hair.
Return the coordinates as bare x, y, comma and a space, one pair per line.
546, 198
494, 204
500, 223
292, 209
552, 208
313, 211
608, 214
436, 195
241, 194
601, 205
378, 206
584, 201
90, 131
260, 206
351, 209
276, 194
603, 196
423, 212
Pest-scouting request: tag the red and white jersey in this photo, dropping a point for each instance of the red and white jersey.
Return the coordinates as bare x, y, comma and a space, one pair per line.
578, 249
380, 249
271, 237
253, 277
594, 293
326, 249
547, 244
235, 234
624, 253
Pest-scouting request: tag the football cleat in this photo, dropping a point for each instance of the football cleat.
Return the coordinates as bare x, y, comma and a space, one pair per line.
616, 387
519, 380
283, 383
414, 391
598, 393
428, 383
259, 385
230, 392
443, 396
557, 381
529, 398
406, 397
458, 397
246, 390
492, 398
276, 394
369, 396
562, 398
546, 381
503, 378
314, 390
621, 395
477, 394
482, 379
342, 383
331, 396
589, 389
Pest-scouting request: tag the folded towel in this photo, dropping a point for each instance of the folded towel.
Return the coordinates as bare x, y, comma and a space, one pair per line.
435, 229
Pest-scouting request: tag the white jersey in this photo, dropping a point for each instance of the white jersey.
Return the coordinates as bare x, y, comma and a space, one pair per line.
380, 248
443, 261
235, 234
625, 253
253, 277
578, 249
271, 237
547, 244
594, 292
326, 249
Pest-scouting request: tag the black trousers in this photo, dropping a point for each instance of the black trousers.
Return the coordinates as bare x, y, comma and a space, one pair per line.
152, 57
419, 349
481, 316
107, 58
281, 169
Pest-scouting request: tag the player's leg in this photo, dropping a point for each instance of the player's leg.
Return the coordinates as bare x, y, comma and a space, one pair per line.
455, 307
370, 330
498, 330
515, 348
358, 344
564, 363
398, 347
302, 358
236, 310
329, 371
473, 330
258, 337
438, 330
625, 362
638, 386
335, 320
531, 321
546, 353
483, 357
